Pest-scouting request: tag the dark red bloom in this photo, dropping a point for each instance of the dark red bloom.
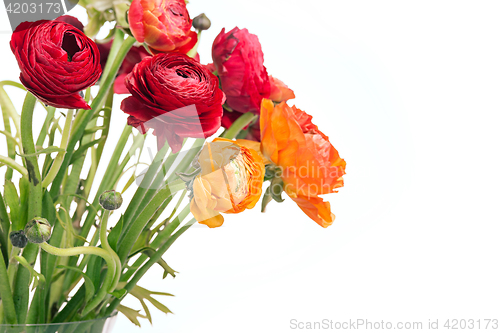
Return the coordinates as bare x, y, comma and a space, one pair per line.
57, 61
176, 96
71, 20
239, 62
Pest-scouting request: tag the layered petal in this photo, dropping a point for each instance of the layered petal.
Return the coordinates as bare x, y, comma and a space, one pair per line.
230, 181
280, 91
57, 61
239, 62
176, 96
309, 164
163, 25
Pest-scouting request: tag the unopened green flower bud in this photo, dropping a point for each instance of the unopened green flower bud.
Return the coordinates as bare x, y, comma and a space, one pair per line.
38, 230
201, 22
111, 200
18, 239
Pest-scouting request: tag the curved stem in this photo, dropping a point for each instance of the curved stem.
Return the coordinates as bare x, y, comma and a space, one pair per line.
105, 245
238, 125
79, 250
14, 165
56, 165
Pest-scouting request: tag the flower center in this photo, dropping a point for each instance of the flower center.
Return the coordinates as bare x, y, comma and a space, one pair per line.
70, 45
237, 178
182, 73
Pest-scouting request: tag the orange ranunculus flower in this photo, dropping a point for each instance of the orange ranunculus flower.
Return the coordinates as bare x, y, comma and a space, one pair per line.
230, 181
280, 91
310, 165
163, 25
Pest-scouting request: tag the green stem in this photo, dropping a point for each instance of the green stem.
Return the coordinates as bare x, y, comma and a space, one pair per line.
9, 108
6, 294
14, 165
79, 250
105, 245
129, 239
46, 126
6, 104
21, 288
56, 165
115, 47
154, 258
144, 185
104, 185
238, 125
96, 105
159, 240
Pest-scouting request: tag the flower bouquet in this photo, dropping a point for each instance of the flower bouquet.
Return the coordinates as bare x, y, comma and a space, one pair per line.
226, 138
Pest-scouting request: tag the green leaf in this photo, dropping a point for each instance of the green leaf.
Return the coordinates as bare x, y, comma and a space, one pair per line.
12, 200
277, 189
24, 193
48, 150
149, 251
143, 294
81, 150
10, 138
35, 278
146, 309
131, 314
266, 199
89, 285
114, 235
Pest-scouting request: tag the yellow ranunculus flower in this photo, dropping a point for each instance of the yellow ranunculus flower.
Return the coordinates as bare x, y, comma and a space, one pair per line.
230, 181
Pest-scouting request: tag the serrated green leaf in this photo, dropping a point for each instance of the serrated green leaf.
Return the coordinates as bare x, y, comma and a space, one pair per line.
149, 251
131, 314
146, 310
143, 294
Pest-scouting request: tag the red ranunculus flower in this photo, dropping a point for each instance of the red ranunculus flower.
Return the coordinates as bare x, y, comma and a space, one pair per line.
239, 62
57, 61
176, 96
163, 25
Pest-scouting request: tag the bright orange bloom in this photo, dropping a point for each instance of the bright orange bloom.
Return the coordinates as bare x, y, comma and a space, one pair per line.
280, 91
163, 25
230, 181
310, 165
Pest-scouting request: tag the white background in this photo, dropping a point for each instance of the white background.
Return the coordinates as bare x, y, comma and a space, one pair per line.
408, 92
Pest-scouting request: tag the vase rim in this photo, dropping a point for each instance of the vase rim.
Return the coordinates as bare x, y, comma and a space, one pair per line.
59, 324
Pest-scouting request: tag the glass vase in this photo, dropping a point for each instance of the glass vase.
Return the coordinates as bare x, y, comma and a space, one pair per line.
100, 325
